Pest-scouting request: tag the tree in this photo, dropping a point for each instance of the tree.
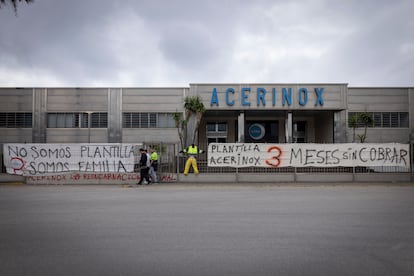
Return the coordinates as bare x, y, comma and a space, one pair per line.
194, 107
367, 120
14, 3
180, 124
353, 123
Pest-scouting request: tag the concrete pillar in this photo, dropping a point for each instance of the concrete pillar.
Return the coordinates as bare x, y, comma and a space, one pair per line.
39, 130
340, 127
289, 127
115, 115
240, 124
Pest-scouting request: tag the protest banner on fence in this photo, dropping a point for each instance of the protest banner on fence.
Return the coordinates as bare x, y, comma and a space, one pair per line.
38, 159
240, 155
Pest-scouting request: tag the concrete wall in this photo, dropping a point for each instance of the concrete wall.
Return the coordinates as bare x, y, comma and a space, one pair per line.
381, 100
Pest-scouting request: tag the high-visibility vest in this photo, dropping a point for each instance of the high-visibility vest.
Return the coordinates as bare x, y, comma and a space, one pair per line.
154, 156
192, 150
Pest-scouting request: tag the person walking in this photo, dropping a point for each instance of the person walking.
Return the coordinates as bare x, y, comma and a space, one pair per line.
143, 167
154, 165
192, 152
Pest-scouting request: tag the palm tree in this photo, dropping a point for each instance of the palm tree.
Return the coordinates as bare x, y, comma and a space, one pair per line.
367, 120
180, 124
194, 107
14, 3
353, 123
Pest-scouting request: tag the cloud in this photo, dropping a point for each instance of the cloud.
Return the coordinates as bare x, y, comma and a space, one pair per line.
174, 43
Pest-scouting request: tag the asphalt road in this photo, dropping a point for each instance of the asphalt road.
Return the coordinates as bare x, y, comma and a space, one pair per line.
206, 230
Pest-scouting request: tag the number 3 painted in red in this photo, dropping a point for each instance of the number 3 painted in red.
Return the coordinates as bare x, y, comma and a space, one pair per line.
274, 161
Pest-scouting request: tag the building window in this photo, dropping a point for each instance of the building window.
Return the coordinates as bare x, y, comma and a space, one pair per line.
216, 132
99, 120
385, 119
77, 120
15, 120
147, 120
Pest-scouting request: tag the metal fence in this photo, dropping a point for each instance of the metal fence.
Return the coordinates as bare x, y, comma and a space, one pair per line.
203, 168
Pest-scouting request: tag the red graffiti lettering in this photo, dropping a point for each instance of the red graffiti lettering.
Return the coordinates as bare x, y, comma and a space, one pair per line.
274, 161
17, 164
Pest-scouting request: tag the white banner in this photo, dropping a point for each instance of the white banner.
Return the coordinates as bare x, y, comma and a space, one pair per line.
307, 155
35, 159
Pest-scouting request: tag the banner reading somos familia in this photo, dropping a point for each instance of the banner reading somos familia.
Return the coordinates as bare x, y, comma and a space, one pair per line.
307, 155
35, 159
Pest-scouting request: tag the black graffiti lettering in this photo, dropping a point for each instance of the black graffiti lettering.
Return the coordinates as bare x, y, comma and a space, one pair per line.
388, 155
360, 155
233, 160
403, 154
32, 168
57, 153
319, 155
102, 166
48, 167
20, 152
116, 151
308, 156
294, 156
35, 153
121, 166
336, 159
212, 161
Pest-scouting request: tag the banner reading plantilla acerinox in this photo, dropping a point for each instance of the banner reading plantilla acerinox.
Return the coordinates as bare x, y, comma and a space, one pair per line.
240, 155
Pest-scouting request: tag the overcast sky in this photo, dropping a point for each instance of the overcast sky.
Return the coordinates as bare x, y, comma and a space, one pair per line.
174, 43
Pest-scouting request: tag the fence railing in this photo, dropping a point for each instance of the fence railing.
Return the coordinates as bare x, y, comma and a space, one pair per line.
203, 168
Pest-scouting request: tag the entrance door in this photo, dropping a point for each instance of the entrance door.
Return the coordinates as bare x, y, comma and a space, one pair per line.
299, 132
262, 132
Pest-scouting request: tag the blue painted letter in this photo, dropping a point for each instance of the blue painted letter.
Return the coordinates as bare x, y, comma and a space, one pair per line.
214, 99
245, 98
261, 93
287, 96
228, 101
319, 99
303, 96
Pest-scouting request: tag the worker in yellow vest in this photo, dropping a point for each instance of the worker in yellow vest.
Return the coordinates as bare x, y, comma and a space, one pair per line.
192, 152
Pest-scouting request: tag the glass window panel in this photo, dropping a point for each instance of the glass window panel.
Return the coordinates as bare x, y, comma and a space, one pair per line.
386, 120
84, 120
99, 119
60, 120
28, 120
51, 120
153, 120
394, 119
144, 120
171, 121
103, 119
11, 120
377, 119
211, 127
135, 120
222, 127
19, 120
126, 120
403, 119
3, 119
163, 120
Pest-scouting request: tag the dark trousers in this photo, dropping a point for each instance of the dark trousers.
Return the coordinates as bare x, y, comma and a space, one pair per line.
144, 175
